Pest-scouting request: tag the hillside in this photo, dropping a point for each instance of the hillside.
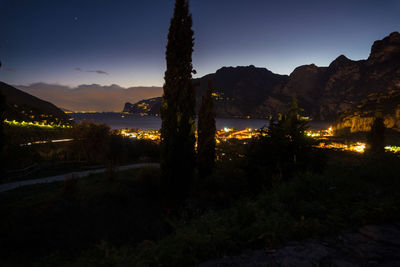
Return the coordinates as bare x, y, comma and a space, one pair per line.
323, 92
25, 107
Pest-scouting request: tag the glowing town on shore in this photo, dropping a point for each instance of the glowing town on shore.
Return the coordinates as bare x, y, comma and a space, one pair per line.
223, 135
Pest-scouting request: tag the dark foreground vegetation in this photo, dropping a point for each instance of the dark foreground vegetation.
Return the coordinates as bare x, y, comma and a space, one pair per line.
88, 145
99, 221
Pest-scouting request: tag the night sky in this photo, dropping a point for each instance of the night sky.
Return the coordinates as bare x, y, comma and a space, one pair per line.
123, 42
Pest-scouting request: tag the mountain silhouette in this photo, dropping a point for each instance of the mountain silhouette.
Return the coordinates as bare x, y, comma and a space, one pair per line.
323, 92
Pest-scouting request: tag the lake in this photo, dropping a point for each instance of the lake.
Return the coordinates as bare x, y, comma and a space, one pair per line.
122, 121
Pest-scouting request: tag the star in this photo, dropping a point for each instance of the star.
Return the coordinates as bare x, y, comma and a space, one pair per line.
76, 18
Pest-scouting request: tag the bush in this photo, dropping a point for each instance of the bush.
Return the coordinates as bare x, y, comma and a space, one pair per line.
91, 141
124, 150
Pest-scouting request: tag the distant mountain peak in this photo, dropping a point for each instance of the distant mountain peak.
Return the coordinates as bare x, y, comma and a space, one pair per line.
394, 35
386, 48
342, 58
241, 68
302, 68
340, 61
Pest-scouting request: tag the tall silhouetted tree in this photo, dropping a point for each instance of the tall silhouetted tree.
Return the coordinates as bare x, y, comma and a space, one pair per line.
2, 118
376, 137
177, 110
2, 137
206, 134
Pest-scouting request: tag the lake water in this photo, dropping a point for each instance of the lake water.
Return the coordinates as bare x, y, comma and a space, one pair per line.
122, 121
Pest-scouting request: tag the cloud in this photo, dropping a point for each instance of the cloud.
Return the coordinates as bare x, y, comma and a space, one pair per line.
98, 71
11, 70
90, 96
95, 71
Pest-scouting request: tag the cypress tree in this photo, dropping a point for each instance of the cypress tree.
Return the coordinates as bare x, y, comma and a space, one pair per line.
376, 137
295, 126
2, 137
206, 134
177, 109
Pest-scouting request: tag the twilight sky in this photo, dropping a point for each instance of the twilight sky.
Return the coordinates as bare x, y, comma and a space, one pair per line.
74, 42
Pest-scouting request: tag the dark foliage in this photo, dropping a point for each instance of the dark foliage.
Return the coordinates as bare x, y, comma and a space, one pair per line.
91, 141
2, 136
95, 143
206, 134
123, 150
376, 137
282, 151
350, 194
94, 146
177, 111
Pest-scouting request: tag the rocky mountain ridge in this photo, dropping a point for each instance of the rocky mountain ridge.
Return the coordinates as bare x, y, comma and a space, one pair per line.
361, 117
323, 92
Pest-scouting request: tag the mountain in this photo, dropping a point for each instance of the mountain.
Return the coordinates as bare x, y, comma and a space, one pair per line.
361, 117
150, 106
93, 97
25, 107
238, 91
323, 92
344, 83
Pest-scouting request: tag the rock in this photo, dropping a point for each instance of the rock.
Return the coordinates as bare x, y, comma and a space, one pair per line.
384, 234
368, 246
302, 254
382, 50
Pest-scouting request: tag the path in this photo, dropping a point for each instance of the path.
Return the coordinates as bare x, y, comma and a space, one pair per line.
61, 177
368, 246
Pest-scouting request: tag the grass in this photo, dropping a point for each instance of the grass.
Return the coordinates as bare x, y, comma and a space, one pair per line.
103, 222
346, 196
74, 215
